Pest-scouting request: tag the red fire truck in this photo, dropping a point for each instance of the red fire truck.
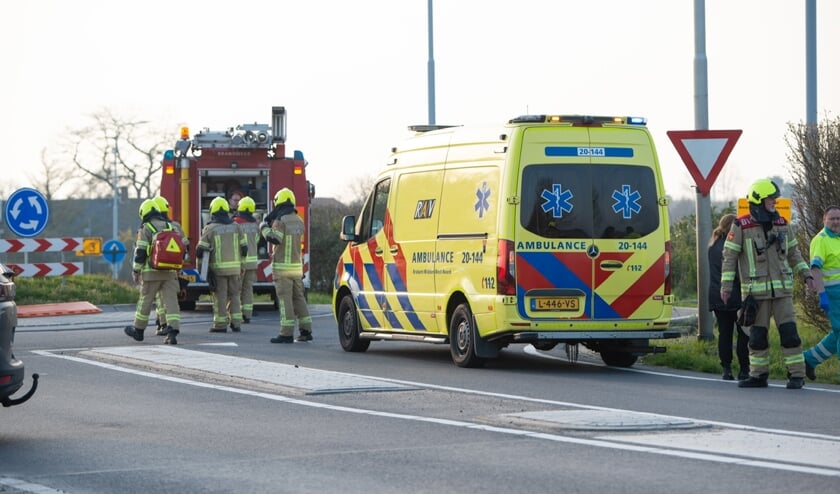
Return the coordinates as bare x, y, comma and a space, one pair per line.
250, 160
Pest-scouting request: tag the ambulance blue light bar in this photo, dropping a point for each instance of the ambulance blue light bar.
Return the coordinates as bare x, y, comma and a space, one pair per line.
579, 120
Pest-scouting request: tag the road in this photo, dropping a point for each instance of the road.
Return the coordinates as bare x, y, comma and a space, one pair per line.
235, 413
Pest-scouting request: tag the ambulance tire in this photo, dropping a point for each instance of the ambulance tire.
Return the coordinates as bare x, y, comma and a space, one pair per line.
348, 327
462, 338
617, 358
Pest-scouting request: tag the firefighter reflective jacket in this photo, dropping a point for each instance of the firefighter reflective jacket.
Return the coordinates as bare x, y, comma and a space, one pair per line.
284, 235
223, 239
251, 231
766, 261
145, 234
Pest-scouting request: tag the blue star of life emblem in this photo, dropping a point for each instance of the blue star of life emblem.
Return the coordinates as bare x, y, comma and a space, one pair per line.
557, 200
482, 205
626, 202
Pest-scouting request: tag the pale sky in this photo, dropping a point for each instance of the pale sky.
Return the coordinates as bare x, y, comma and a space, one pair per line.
353, 74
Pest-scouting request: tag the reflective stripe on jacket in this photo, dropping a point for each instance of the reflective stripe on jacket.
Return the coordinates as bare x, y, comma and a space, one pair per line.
223, 240
287, 235
825, 255
766, 263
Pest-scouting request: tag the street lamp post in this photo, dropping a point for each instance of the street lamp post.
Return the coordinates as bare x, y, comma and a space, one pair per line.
116, 202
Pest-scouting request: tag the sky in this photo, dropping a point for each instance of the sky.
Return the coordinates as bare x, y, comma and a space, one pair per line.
353, 75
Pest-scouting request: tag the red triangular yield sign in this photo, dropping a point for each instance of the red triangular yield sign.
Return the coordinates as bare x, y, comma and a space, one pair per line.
704, 153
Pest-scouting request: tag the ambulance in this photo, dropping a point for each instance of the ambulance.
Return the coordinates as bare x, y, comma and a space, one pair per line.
549, 229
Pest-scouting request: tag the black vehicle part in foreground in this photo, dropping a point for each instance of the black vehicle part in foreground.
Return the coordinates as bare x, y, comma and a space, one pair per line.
11, 369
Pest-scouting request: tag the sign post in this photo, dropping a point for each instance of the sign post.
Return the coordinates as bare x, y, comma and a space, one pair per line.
114, 252
27, 212
704, 153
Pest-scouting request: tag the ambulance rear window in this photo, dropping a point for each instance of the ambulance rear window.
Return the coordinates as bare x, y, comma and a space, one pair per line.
589, 201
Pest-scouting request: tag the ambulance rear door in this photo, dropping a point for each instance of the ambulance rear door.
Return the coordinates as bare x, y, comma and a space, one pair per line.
585, 242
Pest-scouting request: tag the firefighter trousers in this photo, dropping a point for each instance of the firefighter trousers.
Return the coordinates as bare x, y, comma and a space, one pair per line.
226, 305
292, 304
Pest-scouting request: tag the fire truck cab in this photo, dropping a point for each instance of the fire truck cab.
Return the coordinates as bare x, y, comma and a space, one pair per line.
248, 160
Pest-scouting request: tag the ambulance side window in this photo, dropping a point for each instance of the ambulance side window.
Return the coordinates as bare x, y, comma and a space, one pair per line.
372, 218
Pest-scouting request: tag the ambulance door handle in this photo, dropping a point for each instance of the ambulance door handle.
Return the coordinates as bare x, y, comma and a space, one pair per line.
394, 250
611, 265
378, 251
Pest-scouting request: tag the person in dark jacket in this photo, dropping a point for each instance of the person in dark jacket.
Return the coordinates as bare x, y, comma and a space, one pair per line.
726, 314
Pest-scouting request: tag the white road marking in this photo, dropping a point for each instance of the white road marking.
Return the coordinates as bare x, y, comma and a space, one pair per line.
530, 350
25, 486
672, 444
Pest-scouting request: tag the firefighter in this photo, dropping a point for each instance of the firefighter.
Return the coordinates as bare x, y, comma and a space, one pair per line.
762, 246
153, 281
285, 233
244, 216
222, 238
163, 208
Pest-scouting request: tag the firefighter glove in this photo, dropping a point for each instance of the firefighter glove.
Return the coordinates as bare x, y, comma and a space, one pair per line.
824, 301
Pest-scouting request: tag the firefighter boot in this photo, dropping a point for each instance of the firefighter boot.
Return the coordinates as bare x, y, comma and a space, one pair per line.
171, 336
135, 333
754, 382
810, 371
305, 335
161, 328
795, 383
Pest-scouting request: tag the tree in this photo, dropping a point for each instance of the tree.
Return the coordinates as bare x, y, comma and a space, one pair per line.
685, 247
56, 178
131, 147
814, 158
325, 246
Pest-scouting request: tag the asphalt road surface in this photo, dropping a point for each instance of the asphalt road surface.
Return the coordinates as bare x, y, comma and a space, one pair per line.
234, 413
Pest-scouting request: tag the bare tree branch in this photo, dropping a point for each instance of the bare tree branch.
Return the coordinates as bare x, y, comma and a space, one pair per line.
113, 143
814, 158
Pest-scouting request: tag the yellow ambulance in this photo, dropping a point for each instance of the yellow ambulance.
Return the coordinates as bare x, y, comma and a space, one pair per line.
548, 229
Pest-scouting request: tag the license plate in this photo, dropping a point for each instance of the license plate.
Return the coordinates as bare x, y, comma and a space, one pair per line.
555, 303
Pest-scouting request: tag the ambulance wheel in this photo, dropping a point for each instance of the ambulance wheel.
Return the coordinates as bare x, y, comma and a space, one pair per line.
348, 327
616, 358
462, 338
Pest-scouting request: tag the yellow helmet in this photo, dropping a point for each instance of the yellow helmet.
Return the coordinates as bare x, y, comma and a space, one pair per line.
762, 189
147, 207
161, 203
219, 204
247, 204
284, 195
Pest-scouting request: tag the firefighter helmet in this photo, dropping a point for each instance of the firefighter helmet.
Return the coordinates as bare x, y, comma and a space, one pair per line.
147, 207
284, 195
246, 204
219, 204
762, 189
161, 203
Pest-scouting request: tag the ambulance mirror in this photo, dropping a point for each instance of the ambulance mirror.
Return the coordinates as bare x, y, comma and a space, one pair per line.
348, 229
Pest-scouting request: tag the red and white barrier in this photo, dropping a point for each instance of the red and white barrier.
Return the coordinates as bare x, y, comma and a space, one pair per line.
47, 269
41, 244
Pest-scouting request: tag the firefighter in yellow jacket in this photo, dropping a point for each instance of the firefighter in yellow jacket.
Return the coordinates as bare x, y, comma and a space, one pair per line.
251, 229
223, 239
153, 280
762, 246
284, 230
162, 206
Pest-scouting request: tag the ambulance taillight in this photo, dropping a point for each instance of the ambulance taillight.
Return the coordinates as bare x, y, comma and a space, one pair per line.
505, 269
